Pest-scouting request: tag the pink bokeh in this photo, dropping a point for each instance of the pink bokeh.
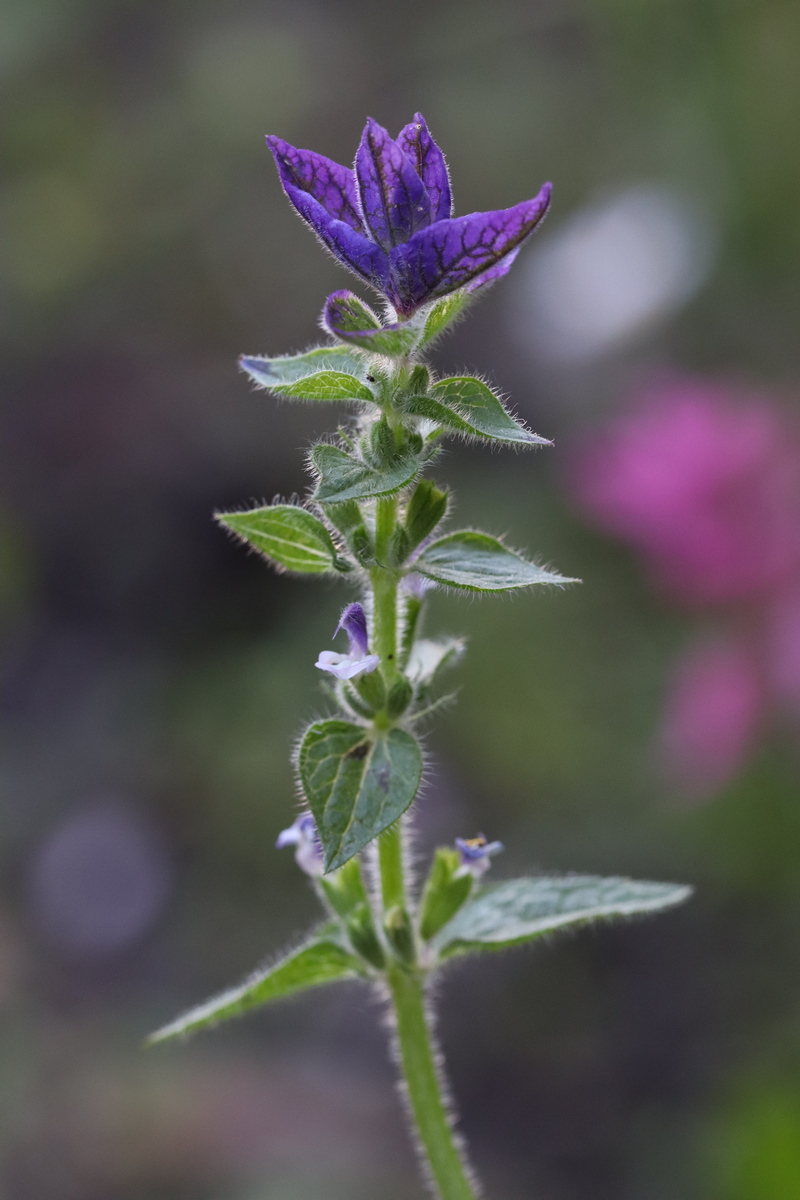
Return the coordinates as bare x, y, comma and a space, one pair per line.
713, 713
705, 485
704, 482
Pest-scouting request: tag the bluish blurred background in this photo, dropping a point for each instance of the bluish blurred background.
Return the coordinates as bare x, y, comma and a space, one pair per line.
646, 723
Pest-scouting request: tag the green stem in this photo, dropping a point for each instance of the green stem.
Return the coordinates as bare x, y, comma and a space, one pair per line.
385, 517
417, 1058
390, 858
384, 613
414, 1037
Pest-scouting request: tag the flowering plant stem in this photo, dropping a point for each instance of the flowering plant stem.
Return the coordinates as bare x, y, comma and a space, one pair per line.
416, 1051
417, 1056
374, 520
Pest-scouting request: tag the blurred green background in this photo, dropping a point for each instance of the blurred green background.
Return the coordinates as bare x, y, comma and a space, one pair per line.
154, 675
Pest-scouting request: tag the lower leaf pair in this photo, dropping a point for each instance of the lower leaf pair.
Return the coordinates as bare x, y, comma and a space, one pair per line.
497, 917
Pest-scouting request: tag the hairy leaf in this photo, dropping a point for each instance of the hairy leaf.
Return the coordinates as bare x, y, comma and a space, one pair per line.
348, 318
288, 536
321, 960
342, 477
519, 910
271, 373
483, 413
442, 313
325, 385
480, 563
356, 786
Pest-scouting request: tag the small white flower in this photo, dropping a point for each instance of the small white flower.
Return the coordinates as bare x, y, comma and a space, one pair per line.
357, 662
346, 666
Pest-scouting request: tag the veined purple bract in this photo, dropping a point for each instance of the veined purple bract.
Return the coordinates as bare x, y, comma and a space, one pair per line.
390, 220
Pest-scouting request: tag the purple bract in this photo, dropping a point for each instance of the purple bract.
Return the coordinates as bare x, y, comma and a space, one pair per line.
390, 220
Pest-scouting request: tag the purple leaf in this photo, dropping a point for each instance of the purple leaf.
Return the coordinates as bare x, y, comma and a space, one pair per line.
428, 161
333, 186
394, 202
461, 251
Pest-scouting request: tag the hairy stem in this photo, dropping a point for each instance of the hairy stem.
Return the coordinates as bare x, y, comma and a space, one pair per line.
414, 1037
390, 858
417, 1056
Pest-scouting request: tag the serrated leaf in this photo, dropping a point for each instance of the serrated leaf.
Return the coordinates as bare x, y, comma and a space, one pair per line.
288, 536
321, 960
475, 404
348, 318
480, 563
519, 910
342, 477
356, 785
429, 656
272, 373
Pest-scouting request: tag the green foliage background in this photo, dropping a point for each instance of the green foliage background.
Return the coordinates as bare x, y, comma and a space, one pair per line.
149, 660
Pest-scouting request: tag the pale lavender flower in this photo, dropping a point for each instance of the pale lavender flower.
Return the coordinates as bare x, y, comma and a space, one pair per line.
476, 854
358, 661
390, 221
303, 834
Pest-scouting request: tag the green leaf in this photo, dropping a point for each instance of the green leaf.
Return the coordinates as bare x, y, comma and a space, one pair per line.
353, 321
321, 960
290, 537
441, 314
433, 410
519, 910
356, 785
273, 373
480, 563
342, 477
428, 657
446, 889
325, 385
345, 889
471, 402
425, 510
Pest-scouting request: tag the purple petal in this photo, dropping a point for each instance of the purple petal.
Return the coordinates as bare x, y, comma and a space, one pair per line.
352, 249
354, 621
332, 185
394, 201
463, 250
428, 161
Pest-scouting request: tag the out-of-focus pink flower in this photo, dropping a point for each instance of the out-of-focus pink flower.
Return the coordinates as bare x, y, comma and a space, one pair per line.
714, 710
782, 647
705, 485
